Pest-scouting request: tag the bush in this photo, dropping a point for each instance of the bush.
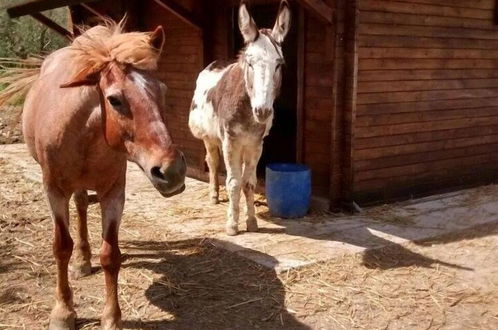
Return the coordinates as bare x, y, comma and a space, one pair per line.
25, 36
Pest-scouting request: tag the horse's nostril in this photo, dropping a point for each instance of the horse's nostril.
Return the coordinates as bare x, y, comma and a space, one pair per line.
156, 173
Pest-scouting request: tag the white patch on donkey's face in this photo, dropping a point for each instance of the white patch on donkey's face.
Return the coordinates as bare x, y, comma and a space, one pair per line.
263, 75
263, 60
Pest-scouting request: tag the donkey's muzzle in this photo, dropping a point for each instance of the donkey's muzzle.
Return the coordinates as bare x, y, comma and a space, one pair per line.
169, 179
262, 114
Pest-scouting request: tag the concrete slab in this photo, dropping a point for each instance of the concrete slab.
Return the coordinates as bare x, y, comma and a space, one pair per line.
284, 244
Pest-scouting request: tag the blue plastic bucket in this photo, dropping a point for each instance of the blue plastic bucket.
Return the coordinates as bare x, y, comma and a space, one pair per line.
288, 189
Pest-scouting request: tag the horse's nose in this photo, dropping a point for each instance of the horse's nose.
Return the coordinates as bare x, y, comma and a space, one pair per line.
171, 176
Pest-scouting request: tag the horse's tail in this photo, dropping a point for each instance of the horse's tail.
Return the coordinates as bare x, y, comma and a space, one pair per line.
17, 76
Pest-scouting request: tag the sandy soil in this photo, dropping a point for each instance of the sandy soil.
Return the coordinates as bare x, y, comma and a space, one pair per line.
168, 282
10, 124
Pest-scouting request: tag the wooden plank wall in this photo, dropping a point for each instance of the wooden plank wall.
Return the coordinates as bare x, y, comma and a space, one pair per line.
180, 64
427, 103
319, 105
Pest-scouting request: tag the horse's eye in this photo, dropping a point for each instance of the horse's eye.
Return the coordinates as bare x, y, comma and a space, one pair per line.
114, 101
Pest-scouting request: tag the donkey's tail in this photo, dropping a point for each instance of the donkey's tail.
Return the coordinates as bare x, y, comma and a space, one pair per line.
17, 76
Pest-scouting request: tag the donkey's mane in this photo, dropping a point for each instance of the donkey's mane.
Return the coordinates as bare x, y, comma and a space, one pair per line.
99, 45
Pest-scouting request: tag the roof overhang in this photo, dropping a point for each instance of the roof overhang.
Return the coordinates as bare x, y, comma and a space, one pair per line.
30, 7
34, 8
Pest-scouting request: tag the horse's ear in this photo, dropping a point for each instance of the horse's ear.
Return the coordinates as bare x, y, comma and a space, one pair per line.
157, 38
247, 26
86, 77
282, 25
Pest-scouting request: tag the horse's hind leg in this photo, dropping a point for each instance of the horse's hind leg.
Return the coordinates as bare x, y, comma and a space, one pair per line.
81, 265
213, 162
249, 181
63, 315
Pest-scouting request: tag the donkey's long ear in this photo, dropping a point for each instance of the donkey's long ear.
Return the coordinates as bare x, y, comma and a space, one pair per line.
247, 25
282, 25
157, 38
86, 77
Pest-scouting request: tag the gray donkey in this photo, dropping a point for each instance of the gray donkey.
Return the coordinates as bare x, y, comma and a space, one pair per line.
232, 110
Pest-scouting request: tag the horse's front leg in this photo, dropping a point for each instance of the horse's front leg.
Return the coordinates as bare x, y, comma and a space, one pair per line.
63, 315
81, 265
249, 182
233, 162
110, 256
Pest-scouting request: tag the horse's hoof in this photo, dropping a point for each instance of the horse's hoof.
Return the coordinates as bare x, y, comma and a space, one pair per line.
62, 319
215, 201
80, 270
232, 231
252, 225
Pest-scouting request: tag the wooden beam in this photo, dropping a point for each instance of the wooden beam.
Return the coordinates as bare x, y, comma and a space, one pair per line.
52, 25
91, 10
351, 28
301, 63
35, 6
319, 8
180, 12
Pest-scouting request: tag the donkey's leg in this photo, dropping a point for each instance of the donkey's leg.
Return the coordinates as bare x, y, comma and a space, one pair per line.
81, 265
63, 315
110, 256
233, 163
249, 181
213, 161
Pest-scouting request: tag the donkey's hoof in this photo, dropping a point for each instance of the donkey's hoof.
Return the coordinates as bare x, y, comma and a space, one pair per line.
215, 201
80, 270
62, 319
232, 231
252, 225
111, 324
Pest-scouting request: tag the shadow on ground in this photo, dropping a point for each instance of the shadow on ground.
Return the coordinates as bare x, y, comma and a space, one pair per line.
383, 253
205, 287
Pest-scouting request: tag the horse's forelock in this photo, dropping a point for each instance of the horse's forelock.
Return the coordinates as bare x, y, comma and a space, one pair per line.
107, 43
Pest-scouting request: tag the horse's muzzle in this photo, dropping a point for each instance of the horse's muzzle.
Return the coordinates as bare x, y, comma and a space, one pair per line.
169, 179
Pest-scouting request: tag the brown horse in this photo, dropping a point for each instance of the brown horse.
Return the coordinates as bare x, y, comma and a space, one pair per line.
92, 106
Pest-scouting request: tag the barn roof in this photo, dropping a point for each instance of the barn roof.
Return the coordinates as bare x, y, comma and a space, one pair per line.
35, 7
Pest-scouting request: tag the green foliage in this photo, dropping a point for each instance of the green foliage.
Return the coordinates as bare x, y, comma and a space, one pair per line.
25, 36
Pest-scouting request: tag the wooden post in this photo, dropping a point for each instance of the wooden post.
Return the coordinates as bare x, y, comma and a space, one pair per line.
351, 21
301, 53
333, 38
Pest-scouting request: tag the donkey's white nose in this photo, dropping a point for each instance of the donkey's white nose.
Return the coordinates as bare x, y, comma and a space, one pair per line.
262, 114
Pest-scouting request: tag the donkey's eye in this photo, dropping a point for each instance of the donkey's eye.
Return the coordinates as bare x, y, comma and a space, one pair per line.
114, 101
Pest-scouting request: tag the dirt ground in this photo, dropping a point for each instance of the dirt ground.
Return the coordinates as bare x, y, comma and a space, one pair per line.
10, 124
171, 283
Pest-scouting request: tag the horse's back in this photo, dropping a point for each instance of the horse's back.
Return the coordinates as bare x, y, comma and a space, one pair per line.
203, 118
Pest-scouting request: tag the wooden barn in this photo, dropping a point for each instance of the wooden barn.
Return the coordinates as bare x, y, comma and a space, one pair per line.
383, 99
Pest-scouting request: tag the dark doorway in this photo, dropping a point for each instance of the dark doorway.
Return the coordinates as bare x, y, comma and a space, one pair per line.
280, 144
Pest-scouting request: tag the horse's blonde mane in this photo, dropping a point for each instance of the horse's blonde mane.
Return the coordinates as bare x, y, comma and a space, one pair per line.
99, 45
